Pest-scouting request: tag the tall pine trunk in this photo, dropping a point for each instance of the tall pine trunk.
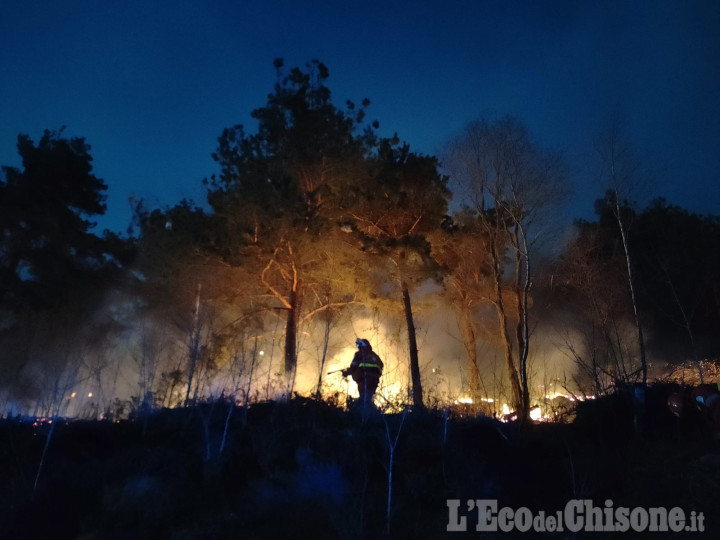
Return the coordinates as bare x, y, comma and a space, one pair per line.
417, 393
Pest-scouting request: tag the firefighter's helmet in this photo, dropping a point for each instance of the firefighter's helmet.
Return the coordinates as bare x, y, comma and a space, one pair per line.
362, 343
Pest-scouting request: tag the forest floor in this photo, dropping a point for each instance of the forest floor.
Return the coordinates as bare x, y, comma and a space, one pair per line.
305, 469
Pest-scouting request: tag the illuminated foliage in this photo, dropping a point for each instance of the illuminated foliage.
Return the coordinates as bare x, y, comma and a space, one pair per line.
278, 195
323, 210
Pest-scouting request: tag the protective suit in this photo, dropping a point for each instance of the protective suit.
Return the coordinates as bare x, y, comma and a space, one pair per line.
365, 369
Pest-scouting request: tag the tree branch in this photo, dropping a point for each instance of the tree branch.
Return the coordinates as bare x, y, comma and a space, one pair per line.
328, 306
272, 289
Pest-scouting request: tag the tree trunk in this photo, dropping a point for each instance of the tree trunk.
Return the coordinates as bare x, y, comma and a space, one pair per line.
417, 392
522, 287
326, 342
194, 346
291, 332
502, 320
468, 337
509, 360
641, 340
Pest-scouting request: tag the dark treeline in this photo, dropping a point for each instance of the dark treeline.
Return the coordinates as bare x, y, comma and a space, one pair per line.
315, 217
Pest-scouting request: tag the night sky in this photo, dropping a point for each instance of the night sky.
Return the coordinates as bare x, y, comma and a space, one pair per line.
151, 85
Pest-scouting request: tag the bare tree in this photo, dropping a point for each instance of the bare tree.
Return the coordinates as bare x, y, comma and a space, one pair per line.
622, 176
512, 186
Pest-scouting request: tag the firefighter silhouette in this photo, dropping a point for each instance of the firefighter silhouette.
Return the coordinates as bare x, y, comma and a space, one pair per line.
365, 369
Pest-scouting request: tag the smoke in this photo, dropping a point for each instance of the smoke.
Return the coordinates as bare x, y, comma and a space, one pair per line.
143, 358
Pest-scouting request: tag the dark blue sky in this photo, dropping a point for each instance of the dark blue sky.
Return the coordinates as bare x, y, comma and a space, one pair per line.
151, 84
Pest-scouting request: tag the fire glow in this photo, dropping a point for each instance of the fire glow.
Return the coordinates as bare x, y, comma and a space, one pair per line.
252, 370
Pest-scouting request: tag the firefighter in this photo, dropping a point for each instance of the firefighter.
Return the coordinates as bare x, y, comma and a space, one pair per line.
365, 369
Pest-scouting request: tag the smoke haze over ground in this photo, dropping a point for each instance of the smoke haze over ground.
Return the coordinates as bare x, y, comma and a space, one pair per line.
149, 354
